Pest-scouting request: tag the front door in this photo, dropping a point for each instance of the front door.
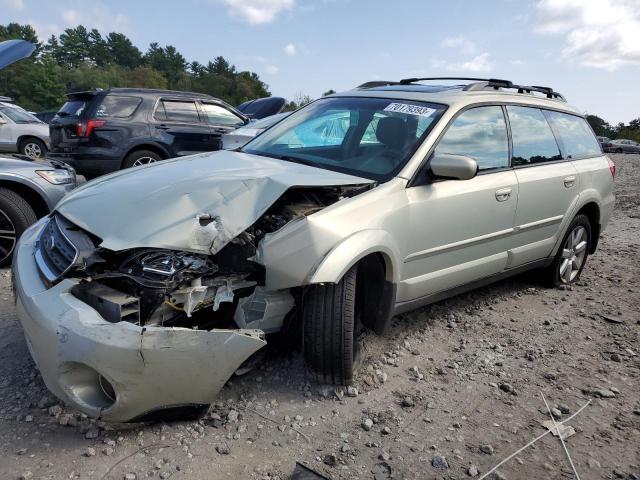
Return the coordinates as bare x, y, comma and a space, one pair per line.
221, 120
7, 135
461, 230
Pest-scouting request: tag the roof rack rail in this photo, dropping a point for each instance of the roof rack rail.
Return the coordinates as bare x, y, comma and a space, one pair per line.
377, 83
496, 84
407, 81
6, 99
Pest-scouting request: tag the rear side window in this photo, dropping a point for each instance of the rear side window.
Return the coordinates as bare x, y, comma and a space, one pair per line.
177, 111
118, 106
73, 107
217, 115
533, 140
576, 136
479, 133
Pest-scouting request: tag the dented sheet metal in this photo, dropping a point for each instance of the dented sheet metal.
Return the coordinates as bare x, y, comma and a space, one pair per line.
148, 368
159, 205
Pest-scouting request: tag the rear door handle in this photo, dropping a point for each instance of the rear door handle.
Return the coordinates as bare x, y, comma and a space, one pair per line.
570, 181
503, 194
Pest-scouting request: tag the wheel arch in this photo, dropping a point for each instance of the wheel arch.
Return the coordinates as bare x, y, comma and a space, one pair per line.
33, 197
152, 147
23, 138
592, 211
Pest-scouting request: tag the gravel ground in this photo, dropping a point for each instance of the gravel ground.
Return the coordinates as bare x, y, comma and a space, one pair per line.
450, 391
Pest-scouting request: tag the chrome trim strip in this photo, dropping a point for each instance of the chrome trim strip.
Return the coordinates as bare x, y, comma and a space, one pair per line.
540, 223
461, 243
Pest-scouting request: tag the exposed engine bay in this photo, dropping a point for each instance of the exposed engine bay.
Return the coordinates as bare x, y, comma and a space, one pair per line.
160, 287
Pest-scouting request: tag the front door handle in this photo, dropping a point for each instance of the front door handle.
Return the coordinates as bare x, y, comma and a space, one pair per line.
503, 194
570, 181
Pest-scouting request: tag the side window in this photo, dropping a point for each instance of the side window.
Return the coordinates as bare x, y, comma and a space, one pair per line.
575, 134
117, 106
218, 115
479, 133
533, 140
177, 111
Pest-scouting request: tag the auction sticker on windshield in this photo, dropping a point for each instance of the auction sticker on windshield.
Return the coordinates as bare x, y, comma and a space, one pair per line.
409, 109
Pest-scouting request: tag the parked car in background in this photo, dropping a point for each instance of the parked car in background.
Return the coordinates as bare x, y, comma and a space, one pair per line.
101, 131
21, 132
355, 208
47, 116
28, 191
605, 143
240, 136
622, 145
262, 107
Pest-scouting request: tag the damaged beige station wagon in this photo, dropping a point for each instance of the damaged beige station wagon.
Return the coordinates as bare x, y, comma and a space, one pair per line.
145, 290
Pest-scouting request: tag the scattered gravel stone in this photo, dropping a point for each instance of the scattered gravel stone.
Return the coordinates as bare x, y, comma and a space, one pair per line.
556, 413
92, 433
352, 391
26, 475
108, 451
488, 449
130, 476
232, 416
507, 387
55, 410
330, 459
408, 402
615, 357
223, 449
367, 424
439, 462
90, 452
472, 471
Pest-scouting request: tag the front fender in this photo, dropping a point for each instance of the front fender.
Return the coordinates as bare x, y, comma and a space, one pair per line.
352, 249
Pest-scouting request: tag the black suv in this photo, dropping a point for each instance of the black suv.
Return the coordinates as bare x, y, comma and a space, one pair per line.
100, 131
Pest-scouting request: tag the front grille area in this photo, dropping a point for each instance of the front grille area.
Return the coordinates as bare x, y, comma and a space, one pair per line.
55, 254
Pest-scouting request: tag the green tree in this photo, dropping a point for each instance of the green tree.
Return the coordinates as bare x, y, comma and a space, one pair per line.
600, 126
123, 52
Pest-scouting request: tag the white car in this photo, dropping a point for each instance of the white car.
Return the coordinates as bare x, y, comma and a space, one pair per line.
22, 132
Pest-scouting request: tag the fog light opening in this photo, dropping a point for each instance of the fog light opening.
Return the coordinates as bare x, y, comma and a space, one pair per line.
87, 387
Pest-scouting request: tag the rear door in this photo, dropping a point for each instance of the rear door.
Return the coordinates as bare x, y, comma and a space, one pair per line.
221, 120
63, 133
549, 184
178, 123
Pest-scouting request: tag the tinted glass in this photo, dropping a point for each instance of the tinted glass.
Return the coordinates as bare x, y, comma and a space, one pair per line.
575, 134
19, 115
533, 140
368, 137
217, 115
73, 107
175, 111
479, 133
119, 107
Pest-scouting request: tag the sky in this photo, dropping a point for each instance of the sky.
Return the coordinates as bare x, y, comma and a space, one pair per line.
589, 50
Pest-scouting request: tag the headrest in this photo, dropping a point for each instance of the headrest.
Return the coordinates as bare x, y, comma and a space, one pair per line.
392, 131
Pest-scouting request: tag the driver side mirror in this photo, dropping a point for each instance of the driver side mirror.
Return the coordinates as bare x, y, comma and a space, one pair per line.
458, 167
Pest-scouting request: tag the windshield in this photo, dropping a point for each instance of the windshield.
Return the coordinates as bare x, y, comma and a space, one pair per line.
19, 115
367, 137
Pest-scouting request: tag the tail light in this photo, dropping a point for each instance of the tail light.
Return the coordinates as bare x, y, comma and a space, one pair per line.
612, 167
84, 129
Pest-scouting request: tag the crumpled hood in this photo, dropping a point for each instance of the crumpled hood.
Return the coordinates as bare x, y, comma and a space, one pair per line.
158, 205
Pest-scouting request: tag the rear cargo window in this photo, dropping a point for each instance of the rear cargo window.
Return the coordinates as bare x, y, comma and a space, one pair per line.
533, 140
118, 106
177, 111
575, 134
73, 107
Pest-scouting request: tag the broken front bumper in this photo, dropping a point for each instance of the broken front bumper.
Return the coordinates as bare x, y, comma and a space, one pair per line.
119, 371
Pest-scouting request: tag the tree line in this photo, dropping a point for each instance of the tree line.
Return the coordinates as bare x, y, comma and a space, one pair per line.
81, 59
630, 131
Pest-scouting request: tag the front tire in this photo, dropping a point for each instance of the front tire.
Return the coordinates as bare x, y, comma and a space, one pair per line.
139, 158
15, 217
34, 148
572, 256
329, 329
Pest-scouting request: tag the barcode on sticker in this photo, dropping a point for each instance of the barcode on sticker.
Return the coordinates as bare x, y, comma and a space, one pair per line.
409, 109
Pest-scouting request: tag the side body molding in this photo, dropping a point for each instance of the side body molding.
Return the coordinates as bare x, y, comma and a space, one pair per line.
352, 249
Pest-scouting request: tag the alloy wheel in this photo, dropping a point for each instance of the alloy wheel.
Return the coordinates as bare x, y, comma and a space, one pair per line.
143, 161
8, 236
33, 150
574, 253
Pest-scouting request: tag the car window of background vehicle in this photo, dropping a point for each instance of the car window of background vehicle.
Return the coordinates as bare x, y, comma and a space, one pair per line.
575, 134
217, 115
176, 111
117, 106
533, 140
479, 133
19, 116
73, 107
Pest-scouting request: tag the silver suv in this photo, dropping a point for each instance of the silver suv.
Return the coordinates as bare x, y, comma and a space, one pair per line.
145, 290
22, 132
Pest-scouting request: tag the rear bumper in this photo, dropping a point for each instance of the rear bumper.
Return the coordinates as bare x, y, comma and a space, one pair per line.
88, 164
118, 371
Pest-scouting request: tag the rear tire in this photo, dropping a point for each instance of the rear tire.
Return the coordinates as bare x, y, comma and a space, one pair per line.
15, 217
329, 328
572, 255
140, 157
618, 150
34, 148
